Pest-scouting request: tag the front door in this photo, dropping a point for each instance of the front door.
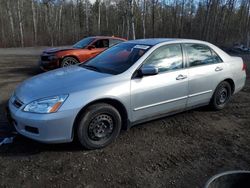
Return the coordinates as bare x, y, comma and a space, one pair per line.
100, 45
162, 93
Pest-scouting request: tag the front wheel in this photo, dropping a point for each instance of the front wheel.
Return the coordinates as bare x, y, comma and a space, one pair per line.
68, 61
99, 126
221, 96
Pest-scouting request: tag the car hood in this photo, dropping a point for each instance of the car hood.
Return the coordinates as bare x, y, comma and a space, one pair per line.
55, 50
58, 82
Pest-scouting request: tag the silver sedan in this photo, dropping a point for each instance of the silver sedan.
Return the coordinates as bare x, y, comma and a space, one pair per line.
130, 83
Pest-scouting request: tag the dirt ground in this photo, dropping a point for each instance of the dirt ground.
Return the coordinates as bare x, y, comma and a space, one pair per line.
183, 150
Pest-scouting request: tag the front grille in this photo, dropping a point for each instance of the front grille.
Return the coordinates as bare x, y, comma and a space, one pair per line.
44, 58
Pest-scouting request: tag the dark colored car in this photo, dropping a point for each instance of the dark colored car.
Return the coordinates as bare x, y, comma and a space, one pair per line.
80, 52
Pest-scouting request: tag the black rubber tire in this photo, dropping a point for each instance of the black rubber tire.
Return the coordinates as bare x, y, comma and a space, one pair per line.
70, 59
84, 123
214, 101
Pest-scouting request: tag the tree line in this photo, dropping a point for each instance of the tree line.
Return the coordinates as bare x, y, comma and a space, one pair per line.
63, 22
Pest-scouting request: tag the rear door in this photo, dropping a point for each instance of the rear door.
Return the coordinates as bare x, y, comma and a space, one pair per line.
162, 93
205, 71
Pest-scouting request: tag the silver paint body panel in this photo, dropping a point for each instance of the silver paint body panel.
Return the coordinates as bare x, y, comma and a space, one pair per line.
142, 98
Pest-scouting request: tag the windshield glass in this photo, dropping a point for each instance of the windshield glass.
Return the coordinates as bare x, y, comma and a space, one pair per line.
83, 43
117, 59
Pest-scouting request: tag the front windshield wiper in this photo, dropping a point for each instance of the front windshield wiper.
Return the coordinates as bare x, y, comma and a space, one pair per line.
91, 67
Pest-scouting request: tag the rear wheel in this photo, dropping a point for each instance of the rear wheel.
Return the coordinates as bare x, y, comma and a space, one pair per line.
68, 61
221, 96
99, 126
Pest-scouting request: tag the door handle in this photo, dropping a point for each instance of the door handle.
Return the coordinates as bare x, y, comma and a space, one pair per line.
218, 69
181, 77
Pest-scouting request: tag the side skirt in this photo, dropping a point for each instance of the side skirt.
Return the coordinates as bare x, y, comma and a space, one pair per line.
131, 124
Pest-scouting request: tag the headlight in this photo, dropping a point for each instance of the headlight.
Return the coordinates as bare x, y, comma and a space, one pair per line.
53, 58
46, 105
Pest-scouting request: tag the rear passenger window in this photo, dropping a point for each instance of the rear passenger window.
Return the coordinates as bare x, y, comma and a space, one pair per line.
199, 54
166, 58
113, 42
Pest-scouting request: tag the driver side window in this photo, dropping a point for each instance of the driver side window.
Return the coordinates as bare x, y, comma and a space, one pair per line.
166, 58
103, 43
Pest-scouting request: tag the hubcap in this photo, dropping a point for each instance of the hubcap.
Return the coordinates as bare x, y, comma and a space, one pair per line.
222, 96
68, 62
101, 127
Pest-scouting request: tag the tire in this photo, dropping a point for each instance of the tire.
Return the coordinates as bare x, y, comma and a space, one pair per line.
99, 126
221, 96
68, 61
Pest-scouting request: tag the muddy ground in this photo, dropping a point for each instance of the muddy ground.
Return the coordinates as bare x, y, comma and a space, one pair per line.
183, 150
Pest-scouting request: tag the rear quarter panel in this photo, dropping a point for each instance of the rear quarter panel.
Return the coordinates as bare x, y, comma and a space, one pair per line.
238, 75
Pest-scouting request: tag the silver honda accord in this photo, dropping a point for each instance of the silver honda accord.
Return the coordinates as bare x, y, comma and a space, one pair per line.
130, 83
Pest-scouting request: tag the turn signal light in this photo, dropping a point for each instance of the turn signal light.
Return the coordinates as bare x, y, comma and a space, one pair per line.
55, 107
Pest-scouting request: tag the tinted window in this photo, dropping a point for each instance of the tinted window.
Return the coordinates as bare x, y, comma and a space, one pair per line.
199, 54
113, 42
83, 43
166, 58
104, 43
117, 59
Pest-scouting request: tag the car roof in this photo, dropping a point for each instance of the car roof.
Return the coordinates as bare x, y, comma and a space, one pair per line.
155, 41
107, 37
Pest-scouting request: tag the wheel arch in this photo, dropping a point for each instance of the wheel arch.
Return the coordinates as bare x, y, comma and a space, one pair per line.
113, 102
63, 57
232, 84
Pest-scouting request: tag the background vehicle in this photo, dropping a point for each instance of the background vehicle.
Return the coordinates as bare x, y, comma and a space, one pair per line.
130, 83
81, 51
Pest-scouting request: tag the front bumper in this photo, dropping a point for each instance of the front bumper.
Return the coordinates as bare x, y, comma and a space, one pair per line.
48, 65
47, 128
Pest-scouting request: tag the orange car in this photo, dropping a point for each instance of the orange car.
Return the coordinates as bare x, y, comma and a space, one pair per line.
81, 51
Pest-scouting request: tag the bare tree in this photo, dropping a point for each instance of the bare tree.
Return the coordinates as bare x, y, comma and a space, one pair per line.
57, 22
132, 5
144, 18
20, 20
10, 15
87, 16
154, 2
60, 21
34, 21
99, 17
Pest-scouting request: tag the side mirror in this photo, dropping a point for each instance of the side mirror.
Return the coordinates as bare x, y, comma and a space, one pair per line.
148, 71
90, 47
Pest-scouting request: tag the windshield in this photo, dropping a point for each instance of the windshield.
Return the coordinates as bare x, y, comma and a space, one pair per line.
117, 59
83, 43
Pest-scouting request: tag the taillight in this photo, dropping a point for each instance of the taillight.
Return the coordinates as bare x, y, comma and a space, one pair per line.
244, 68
